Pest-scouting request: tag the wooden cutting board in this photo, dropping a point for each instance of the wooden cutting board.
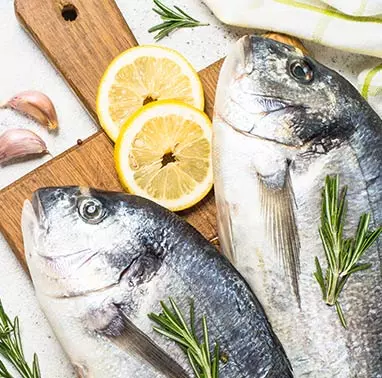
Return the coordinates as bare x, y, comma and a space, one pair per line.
81, 37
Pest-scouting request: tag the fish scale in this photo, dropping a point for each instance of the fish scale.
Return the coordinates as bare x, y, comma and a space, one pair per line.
321, 127
98, 280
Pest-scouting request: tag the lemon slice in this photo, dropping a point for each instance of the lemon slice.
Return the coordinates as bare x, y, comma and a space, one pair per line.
141, 75
164, 153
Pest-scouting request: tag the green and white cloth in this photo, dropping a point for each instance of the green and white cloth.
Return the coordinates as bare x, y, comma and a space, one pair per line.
351, 25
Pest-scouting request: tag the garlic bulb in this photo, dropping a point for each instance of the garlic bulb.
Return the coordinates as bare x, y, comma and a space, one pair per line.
35, 105
18, 143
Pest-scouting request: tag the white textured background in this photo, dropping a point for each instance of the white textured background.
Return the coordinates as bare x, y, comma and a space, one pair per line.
22, 66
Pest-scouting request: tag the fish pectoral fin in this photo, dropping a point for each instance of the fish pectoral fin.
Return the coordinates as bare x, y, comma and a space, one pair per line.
278, 206
224, 222
275, 373
133, 341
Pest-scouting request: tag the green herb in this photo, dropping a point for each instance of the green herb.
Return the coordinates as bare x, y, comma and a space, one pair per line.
172, 324
342, 254
173, 19
11, 349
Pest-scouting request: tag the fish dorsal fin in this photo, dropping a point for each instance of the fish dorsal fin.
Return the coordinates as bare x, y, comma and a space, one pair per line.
134, 342
278, 205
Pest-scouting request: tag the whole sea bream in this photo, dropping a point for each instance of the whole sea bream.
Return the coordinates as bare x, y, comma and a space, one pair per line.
282, 123
101, 262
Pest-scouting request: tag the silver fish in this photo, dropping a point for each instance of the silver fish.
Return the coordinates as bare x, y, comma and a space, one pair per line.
101, 262
282, 123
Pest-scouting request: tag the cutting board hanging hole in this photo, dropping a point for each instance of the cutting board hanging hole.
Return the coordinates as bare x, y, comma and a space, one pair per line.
57, 26
69, 12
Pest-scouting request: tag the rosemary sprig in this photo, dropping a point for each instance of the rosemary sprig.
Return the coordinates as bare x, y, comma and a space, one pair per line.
11, 349
172, 324
342, 254
173, 19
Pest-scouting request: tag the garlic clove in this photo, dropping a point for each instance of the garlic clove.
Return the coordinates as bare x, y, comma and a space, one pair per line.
288, 40
36, 105
17, 143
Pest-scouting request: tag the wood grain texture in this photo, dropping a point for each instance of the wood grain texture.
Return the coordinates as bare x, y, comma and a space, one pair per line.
81, 49
91, 164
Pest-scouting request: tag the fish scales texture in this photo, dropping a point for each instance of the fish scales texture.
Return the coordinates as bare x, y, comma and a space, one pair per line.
282, 123
101, 262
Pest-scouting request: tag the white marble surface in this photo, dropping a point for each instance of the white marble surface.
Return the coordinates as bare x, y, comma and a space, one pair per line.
24, 67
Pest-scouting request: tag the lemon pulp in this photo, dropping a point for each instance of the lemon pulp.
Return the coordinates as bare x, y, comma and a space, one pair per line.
164, 153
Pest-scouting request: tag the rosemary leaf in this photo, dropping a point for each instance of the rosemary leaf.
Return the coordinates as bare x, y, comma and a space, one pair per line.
168, 315
319, 277
11, 349
171, 336
358, 268
173, 19
194, 364
172, 324
185, 14
341, 315
192, 318
180, 317
36, 366
160, 26
4, 373
342, 255
215, 362
206, 342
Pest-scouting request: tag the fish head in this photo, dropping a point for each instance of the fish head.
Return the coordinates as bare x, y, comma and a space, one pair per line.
270, 90
80, 240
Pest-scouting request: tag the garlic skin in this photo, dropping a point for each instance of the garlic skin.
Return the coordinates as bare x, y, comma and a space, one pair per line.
17, 143
36, 105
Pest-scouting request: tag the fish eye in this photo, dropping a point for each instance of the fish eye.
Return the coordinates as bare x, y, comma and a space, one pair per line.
301, 70
91, 210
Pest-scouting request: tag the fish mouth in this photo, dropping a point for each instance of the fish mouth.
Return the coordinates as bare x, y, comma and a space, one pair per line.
30, 227
33, 224
260, 127
244, 46
38, 211
36, 206
268, 105
254, 136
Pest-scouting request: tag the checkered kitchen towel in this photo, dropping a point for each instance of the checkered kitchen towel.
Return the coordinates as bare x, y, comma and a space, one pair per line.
351, 25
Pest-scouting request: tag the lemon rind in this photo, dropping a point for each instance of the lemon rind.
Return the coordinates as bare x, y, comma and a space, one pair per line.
163, 107
127, 57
